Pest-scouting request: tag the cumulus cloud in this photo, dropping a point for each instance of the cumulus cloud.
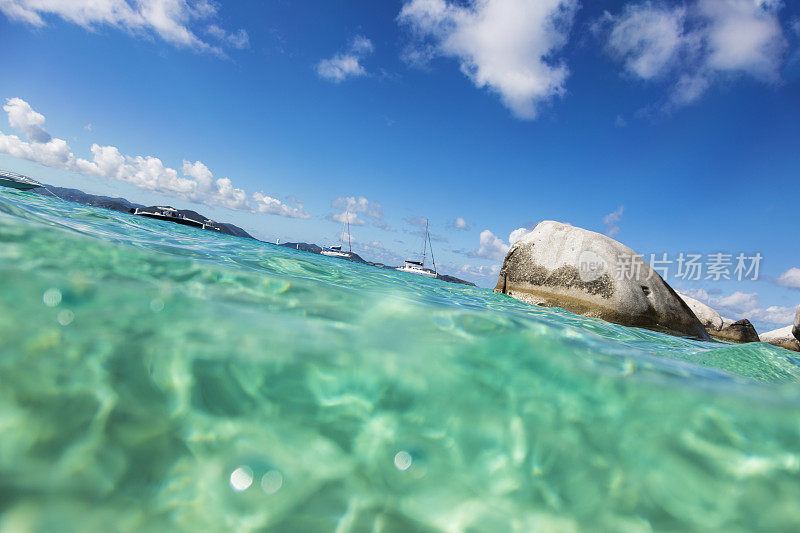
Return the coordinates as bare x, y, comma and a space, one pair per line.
54, 153
195, 182
612, 221
460, 223
480, 270
647, 38
693, 45
491, 246
25, 120
351, 207
506, 46
172, 20
273, 206
346, 64
517, 234
741, 305
790, 278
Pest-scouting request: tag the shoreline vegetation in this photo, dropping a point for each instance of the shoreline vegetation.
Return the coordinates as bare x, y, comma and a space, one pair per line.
124, 205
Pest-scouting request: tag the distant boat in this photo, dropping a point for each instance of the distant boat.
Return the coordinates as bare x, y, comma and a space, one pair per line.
418, 267
170, 214
336, 251
17, 181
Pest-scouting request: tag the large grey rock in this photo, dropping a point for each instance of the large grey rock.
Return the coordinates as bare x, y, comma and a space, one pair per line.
782, 337
796, 327
719, 327
593, 275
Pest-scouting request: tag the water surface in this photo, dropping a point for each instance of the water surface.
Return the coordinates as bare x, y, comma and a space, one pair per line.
157, 377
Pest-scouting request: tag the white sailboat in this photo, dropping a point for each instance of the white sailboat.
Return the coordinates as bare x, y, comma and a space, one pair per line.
336, 250
418, 267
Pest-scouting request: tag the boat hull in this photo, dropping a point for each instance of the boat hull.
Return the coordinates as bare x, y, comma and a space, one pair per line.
332, 253
13, 184
174, 220
418, 271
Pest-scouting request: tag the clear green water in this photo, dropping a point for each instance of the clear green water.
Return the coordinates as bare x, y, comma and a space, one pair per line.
147, 372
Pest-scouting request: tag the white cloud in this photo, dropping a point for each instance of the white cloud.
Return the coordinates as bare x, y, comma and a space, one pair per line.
480, 270
273, 206
352, 206
460, 223
54, 153
172, 20
25, 120
507, 46
741, 305
348, 64
744, 35
612, 220
790, 278
491, 246
517, 234
647, 38
239, 39
347, 217
145, 172
195, 182
693, 45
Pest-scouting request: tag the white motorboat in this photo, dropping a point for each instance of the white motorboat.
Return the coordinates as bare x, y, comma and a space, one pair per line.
17, 181
170, 214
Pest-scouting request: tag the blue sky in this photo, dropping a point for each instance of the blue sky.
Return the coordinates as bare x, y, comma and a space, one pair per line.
681, 120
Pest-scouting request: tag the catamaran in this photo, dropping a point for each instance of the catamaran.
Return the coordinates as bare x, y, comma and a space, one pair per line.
336, 250
17, 181
418, 267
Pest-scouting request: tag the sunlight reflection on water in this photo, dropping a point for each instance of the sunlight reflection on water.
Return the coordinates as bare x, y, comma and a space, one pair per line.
149, 384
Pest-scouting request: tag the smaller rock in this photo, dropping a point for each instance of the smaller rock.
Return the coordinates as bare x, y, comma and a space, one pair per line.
796, 328
782, 338
739, 331
707, 316
720, 327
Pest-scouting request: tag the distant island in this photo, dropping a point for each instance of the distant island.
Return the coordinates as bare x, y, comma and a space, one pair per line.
123, 205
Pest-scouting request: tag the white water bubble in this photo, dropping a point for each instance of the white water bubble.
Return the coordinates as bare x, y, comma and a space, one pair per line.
403, 460
241, 479
66, 317
272, 482
156, 305
51, 297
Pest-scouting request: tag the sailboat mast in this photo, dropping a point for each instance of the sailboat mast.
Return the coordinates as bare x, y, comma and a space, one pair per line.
349, 245
425, 243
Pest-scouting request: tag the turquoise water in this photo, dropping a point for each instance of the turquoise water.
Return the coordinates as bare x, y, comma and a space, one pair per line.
159, 378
